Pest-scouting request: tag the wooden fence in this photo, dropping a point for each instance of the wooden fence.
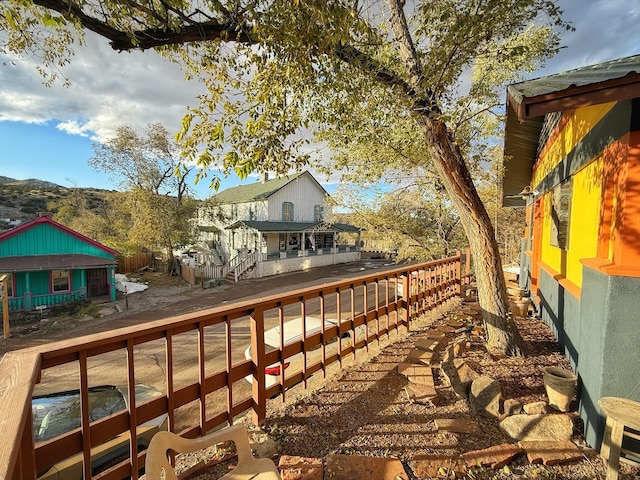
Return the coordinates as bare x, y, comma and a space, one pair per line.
196, 275
135, 262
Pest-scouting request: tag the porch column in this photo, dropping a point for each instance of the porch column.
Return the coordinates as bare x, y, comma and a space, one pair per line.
112, 282
83, 283
27, 293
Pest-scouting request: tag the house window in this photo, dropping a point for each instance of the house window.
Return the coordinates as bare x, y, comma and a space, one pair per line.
560, 215
318, 213
252, 213
60, 281
9, 282
287, 212
234, 211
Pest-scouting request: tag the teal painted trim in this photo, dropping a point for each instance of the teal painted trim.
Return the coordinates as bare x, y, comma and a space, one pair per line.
111, 272
16, 304
57, 299
613, 126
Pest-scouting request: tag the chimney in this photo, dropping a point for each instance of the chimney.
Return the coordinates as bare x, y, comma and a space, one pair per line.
265, 177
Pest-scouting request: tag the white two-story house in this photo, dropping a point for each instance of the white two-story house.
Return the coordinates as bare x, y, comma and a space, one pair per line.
282, 223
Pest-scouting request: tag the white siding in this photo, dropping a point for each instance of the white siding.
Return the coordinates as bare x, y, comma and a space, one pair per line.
304, 193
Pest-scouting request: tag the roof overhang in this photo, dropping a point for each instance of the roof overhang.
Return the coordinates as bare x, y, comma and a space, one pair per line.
528, 102
52, 262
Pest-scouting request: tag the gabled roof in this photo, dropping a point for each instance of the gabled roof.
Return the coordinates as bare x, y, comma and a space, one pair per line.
258, 190
529, 101
47, 221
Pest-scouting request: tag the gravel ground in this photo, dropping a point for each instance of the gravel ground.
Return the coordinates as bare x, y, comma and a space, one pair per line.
366, 411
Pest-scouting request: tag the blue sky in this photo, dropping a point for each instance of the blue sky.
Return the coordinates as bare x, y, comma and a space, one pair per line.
47, 133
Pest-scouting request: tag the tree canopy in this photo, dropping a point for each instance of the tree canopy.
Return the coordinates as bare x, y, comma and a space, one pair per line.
376, 80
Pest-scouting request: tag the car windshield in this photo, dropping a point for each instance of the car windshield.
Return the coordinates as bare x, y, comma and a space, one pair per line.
58, 413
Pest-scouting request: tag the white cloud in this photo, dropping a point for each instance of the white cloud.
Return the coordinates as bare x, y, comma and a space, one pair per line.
605, 30
110, 89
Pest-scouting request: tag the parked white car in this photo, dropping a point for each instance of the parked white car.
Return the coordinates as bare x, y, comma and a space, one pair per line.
57, 413
293, 333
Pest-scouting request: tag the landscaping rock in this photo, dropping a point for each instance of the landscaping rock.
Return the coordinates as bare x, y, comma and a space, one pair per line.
358, 467
497, 456
416, 373
552, 453
262, 444
460, 376
536, 408
300, 468
421, 393
438, 466
485, 397
512, 407
538, 427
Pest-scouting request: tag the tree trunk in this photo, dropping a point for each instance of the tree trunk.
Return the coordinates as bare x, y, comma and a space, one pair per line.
502, 336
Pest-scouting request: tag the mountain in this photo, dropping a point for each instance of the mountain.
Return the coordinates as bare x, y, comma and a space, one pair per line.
29, 182
23, 200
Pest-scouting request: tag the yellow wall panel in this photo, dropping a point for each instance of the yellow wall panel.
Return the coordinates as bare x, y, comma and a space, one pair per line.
585, 218
583, 224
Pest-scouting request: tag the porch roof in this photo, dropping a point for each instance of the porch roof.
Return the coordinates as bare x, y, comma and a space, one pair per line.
266, 226
52, 262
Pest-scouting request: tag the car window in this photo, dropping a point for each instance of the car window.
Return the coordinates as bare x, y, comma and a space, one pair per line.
59, 413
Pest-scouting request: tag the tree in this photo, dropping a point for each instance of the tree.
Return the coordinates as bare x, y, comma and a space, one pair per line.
99, 221
274, 68
156, 205
415, 220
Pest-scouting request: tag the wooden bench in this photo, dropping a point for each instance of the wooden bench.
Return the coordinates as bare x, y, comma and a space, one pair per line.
623, 420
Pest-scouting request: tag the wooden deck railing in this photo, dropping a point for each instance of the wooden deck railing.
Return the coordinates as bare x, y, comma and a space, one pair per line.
196, 360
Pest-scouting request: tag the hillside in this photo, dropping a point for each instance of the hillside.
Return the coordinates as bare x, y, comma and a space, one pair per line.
23, 200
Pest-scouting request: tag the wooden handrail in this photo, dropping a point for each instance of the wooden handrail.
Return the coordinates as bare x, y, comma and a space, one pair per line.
379, 306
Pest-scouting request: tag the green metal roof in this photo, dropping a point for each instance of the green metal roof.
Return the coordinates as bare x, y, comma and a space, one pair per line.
574, 79
254, 191
528, 102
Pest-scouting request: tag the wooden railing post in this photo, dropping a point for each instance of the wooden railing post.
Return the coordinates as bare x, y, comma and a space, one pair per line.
406, 297
459, 273
257, 356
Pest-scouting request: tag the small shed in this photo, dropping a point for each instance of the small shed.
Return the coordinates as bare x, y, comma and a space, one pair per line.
49, 264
